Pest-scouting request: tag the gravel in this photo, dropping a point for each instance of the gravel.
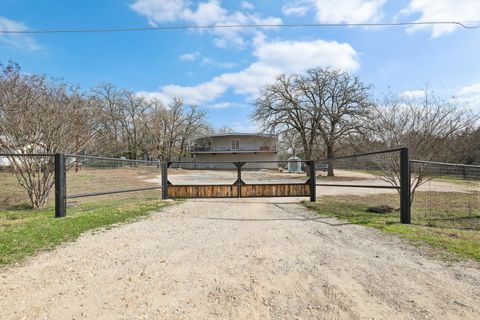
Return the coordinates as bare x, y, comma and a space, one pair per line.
238, 259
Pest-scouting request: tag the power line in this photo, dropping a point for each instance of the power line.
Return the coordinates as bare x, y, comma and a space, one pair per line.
463, 24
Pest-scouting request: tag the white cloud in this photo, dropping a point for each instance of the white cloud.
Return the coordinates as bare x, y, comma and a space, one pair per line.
272, 58
205, 13
193, 56
218, 64
247, 5
413, 94
189, 56
19, 41
473, 89
155, 95
225, 105
333, 11
470, 94
297, 8
204, 92
160, 10
442, 10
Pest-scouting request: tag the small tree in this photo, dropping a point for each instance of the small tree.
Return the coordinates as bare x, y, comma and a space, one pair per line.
424, 125
38, 115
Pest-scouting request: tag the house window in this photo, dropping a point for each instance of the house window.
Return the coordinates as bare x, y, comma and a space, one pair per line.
235, 144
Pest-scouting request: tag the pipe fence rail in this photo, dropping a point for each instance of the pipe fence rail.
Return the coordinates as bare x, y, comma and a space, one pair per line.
447, 192
387, 170
81, 176
45, 179
93, 176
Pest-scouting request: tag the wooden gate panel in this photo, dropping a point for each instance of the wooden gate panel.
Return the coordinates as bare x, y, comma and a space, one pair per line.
202, 191
275, 190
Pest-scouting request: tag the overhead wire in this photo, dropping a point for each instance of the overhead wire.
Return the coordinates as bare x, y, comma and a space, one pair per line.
463, 24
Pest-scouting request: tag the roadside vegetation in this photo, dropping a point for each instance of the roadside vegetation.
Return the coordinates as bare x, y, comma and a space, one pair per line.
450, 225
25, 232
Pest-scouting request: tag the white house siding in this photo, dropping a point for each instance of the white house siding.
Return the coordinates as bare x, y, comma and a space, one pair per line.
251, 147
231, 157
224, 143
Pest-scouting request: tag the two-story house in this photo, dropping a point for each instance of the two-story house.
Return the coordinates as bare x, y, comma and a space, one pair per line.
237, 147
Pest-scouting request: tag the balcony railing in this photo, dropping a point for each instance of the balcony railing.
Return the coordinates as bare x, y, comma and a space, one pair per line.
251, 148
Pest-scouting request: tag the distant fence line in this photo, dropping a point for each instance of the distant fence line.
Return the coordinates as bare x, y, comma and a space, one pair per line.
458, 182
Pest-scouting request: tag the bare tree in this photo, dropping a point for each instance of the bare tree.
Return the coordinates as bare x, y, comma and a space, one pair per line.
290, 144
192, 127
280, 108
344, 103
106, 100
122, 121
133, 118
24, 101
424, 125
224, 130
321, 105
158, 128
173, 127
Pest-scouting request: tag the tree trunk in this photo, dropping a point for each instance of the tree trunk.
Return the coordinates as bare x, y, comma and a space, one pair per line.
330, 155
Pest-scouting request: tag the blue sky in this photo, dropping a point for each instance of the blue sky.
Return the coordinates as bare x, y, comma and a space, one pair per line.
222, 70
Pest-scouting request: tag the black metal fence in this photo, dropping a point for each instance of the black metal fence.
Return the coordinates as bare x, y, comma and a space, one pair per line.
91, 176
372, 173
447, 195
384, 170
109, 176
43, 180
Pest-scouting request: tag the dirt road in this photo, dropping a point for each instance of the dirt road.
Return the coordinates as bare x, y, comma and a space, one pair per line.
242, 260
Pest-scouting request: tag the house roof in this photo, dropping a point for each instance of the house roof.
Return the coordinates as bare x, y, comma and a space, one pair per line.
239, 134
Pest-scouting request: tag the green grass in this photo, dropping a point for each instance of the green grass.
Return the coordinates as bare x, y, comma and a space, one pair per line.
25, 232
450, 236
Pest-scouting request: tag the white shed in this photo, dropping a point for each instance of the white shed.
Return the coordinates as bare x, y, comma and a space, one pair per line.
294, 164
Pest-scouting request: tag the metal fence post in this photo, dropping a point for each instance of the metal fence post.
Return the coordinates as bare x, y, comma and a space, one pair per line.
165, 180
313, 180
239, 181
60, 186
405, 175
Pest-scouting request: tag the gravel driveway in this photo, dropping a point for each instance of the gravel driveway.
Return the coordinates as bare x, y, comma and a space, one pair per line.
242, 259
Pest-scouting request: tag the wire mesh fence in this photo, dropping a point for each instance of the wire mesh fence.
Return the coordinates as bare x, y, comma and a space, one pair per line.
369, 183
224, 173
89, 176
275, 172
202, 173
448, 195
445, 195
29, 181
364, 171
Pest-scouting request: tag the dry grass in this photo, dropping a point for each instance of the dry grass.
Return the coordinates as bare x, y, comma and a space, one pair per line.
87, 180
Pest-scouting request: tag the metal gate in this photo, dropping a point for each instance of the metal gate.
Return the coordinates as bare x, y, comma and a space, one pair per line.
239, 179
249, 178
